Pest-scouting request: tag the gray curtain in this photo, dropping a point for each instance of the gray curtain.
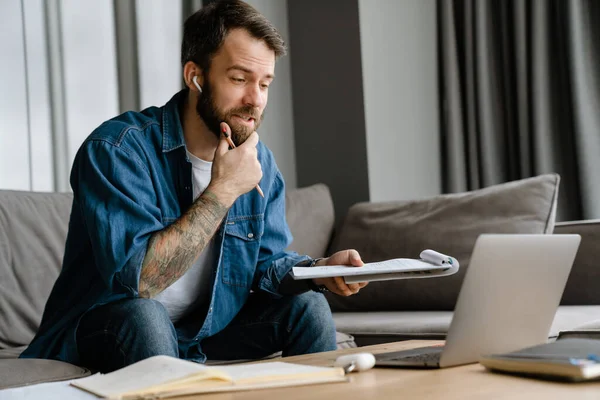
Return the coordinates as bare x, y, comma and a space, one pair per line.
520, 96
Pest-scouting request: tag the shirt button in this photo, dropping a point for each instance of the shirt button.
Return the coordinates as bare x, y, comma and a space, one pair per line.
210, 310
251, 235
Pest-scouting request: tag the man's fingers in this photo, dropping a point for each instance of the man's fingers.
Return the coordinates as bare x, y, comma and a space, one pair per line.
349, 257
354, 258
338, 286
225, 129
223, 145
341, 286
354, 287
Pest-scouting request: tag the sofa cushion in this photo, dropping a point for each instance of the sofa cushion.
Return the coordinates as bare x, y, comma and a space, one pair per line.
586, 268
12, 352
33, 230
21, 372
389, 326
382, 327
310, 216
449, 224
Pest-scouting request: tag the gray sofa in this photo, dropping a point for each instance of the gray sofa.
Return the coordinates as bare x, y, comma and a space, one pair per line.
33, 229
422, 308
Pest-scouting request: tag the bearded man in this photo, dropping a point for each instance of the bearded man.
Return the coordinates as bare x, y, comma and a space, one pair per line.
171, 249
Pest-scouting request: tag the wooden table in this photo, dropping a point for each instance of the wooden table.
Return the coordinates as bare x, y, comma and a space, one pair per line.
464, 382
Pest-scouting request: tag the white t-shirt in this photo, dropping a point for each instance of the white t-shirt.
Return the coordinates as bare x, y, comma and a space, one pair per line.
193, 288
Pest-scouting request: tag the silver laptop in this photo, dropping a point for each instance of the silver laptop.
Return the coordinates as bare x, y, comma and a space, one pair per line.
507, 301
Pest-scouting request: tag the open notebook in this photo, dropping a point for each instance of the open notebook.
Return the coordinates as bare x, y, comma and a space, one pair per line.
164, 376
430, 265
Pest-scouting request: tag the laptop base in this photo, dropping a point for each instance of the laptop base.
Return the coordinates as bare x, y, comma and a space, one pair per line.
423, 357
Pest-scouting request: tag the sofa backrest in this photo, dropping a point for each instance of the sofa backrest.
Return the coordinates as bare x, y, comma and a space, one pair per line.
310, 216
33, 231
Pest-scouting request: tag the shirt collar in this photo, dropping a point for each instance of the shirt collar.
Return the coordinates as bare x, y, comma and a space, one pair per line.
171, 126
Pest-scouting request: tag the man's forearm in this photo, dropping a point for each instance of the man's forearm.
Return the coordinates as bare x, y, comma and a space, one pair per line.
172, 251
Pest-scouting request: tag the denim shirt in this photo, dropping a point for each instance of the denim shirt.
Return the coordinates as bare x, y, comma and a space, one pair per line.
131, 178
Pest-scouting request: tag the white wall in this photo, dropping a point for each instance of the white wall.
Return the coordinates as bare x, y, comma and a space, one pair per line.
42, 170
399, 61
25, 135
89, 69
159, 33
14, 134
59, 81
399, 82
277, 129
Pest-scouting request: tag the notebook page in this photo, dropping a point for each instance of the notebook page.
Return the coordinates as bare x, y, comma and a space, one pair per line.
389, 266
145, 374
277, 371
402, 275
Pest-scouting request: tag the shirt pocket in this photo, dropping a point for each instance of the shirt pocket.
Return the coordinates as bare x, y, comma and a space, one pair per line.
240, 249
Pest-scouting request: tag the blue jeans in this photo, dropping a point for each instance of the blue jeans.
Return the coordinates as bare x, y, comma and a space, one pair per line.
121, 333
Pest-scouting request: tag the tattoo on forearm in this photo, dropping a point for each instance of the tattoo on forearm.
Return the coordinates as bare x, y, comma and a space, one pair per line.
172, 251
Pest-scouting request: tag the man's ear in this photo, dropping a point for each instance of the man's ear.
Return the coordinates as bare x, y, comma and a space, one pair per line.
191, 69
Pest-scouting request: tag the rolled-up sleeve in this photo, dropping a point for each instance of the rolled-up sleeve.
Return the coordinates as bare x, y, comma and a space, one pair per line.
116, 197
274, 263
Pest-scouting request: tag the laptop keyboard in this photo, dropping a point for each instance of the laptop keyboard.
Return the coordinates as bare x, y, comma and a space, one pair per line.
425, 355
425, 358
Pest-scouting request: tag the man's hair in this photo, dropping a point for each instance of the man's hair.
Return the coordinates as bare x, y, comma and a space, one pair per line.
206, 29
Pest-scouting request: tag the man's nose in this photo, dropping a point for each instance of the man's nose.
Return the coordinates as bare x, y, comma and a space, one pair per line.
254, 96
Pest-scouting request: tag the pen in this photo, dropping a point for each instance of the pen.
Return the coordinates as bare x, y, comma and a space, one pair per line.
232, 145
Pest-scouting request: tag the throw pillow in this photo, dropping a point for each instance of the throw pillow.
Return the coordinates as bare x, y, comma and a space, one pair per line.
449, 224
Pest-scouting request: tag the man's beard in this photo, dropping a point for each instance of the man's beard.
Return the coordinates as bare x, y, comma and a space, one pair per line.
212, 117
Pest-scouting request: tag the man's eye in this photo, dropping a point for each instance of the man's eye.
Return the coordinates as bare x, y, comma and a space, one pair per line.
239, 80
264, 86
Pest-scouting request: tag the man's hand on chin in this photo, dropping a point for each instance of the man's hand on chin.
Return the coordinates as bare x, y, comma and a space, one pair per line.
337, 284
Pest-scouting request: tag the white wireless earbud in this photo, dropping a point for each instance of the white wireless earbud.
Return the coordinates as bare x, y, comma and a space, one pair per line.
195, 80
355, 362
